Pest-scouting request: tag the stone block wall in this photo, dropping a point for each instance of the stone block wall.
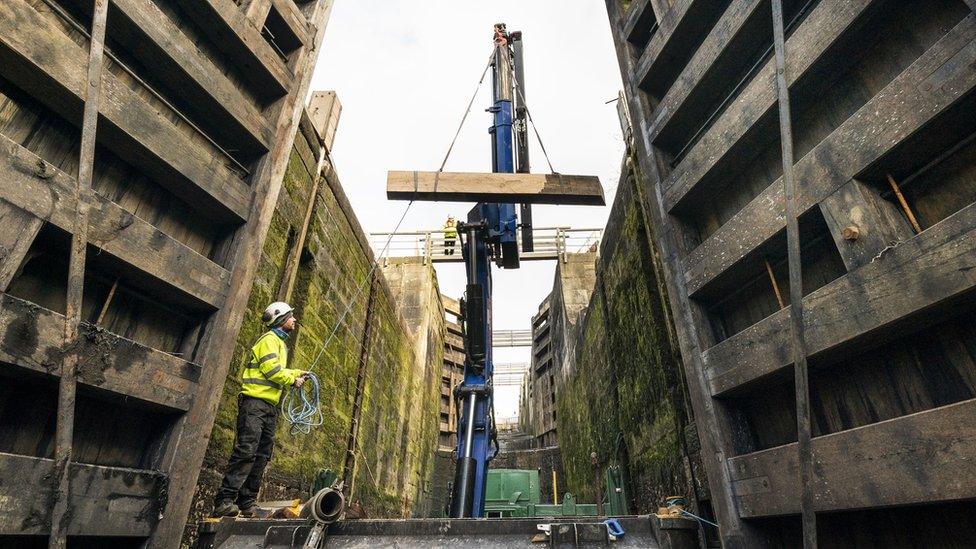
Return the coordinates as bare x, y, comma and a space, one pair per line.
330, 289
621, 393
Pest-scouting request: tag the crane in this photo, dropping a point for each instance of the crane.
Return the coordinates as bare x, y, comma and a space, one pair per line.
489, 235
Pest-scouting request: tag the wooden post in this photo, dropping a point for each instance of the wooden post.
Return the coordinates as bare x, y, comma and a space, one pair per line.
801, 376
904, 204
64, 431
772, 280
352, 440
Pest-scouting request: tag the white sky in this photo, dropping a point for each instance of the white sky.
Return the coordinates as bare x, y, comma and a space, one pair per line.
405, 71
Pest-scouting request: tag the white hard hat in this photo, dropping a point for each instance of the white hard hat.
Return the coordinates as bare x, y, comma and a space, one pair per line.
276, 313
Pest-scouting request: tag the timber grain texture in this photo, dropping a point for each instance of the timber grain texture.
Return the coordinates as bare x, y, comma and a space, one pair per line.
104, 501
519, 188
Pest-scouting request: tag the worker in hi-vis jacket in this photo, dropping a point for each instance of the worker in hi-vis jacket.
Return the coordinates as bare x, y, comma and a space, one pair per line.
263, 380
450, 235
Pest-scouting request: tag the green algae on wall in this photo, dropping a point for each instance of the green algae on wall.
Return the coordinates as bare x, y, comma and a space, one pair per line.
399, 429
624, 398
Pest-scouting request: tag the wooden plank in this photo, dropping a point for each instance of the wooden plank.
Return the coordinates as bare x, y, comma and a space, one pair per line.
152, 37
256, 11
241, 40
828, 21
928, 270
67, 383
293, 18
897, 112
105, 501
32, 340
861, 223
519, 188
40, 58
798, 344
636, 13
18, 229
734, 26
47, 193
668, 25
925, 457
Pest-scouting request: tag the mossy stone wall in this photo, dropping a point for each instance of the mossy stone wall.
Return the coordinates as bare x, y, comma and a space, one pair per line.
398, 419
624, 397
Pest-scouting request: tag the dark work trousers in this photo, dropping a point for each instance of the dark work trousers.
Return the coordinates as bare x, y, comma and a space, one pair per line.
256, 420
448, 246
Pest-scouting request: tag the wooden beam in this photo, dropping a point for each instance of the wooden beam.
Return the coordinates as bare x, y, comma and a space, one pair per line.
668, 24
40, 58
925, 457
798, 344
861, 223
636, 15
47, 193
67, 382
519, 188
18, 228
242, 42
929, 270
105, 501
293, 18
705, 69
825, 24
151, 36
256, 11
898, 111
108, 362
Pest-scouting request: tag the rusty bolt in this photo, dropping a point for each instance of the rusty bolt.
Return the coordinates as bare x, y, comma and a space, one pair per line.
851, 232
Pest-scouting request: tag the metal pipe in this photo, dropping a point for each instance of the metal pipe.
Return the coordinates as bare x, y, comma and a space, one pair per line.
469, 428
473, 251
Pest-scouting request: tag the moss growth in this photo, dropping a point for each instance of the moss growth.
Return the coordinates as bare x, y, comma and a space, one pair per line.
625, 400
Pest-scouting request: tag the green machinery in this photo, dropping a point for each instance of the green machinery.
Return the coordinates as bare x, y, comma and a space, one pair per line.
516, 493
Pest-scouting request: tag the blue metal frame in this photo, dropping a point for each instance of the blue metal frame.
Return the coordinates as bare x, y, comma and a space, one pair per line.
497, 237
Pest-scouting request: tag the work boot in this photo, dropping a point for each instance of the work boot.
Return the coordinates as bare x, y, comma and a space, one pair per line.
249, 512
226, 509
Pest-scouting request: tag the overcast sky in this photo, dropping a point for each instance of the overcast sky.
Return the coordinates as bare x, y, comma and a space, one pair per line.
405, 71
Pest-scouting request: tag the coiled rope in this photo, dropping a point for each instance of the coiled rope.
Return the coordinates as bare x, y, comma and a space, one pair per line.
301, 406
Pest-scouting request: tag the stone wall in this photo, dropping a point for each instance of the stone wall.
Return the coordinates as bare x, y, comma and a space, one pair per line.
621, 393
330, 287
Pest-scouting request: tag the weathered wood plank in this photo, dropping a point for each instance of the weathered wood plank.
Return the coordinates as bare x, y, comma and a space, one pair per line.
927, 457
735, 25
152, 37
519, 188
898, 111
861, 223
293, 18
32, 339
828, 21
18, 229
930, 269
652, 59
40, 58
104, 501
46, 193
639, 13
240, 40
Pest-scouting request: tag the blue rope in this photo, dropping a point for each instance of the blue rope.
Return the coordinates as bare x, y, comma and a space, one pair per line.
698, 518
301, 407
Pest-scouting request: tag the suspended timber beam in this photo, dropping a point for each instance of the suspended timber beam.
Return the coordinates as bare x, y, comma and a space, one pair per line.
521, 188
107, 361
104, 501
40, 58
919, 458
848, 150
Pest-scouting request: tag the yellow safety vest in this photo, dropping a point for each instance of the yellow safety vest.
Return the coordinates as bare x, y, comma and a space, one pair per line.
267, 374
450, 232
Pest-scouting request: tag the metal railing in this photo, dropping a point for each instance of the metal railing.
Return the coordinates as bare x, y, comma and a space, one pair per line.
550, 243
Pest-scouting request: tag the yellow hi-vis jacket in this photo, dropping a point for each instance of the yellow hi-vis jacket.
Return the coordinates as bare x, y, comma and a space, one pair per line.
450, 232
267, 374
